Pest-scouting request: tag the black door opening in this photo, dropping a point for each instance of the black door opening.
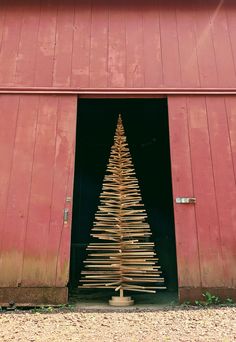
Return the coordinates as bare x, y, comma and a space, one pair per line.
146, 127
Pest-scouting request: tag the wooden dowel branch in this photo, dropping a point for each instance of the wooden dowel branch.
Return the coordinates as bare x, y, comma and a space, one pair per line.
125, 260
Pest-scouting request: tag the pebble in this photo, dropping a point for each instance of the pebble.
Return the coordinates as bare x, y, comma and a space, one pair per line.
177, 324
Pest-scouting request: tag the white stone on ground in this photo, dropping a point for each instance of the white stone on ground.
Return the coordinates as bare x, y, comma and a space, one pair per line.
177, 324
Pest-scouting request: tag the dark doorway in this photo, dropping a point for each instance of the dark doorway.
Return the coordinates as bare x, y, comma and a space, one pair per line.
146, 127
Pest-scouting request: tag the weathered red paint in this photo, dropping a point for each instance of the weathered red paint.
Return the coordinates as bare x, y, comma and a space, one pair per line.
158, 47
31, 296
202, 153
118, 44
182, 183
37, 145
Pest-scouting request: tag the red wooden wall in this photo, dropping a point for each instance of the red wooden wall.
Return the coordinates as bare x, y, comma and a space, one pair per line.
203, 154
37, 138
134, 43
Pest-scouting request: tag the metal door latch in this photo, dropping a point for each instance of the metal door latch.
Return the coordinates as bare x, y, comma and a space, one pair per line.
185, 200
66, 216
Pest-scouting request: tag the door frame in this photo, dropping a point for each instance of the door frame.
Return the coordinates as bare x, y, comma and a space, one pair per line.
136, 95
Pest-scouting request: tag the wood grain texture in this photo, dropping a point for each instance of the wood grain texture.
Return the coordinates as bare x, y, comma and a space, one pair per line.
203, 154
225, 189
231, 120
65, 165
152, 43
230, 12
186, 233
11, 36
204, 189
222, 45
8, 122
99, 45
19, 191
187, 45
134, 46
37, 296
117, 46
26, 56
37, 145
2, 19
41, 193
170, 44
81, 46
64, 44
205, 47
44, 58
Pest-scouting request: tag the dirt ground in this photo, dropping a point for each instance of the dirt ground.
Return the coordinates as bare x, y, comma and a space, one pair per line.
167, 324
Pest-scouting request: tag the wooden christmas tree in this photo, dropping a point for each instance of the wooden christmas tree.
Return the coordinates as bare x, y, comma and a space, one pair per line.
125, 260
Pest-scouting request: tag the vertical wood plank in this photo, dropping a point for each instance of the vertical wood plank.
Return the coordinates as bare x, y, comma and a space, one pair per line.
46, 45
231, 118
39, 212
187, 44
8, 123
25, 65
134, 46
58, 241
224, 184
205, 47
68, 114
10, 42
116, 46
18, 193
3, 10
99, 45
64, 44
81, 45
204, 190
170, 45
182, 182
230, 10
153, 65
222, 45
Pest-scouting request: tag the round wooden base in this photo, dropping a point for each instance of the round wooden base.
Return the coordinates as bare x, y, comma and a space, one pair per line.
121, 301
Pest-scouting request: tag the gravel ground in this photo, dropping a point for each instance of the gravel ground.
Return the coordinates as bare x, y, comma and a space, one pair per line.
167, 324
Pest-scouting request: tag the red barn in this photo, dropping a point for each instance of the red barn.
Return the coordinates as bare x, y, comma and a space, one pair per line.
169, 66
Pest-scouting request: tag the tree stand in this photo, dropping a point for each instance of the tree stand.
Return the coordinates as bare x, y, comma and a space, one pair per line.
121, 300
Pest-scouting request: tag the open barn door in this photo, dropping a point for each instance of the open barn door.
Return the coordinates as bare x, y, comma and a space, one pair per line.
36, 176
202, 141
